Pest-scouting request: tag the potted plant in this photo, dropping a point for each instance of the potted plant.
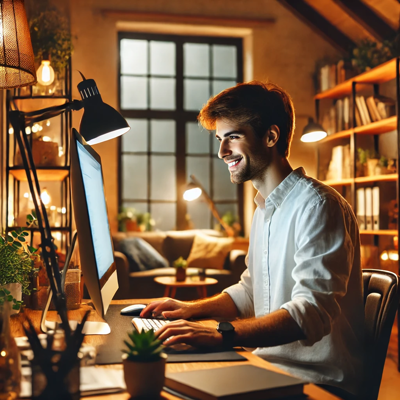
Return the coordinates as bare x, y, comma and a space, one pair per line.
180, 265
144, 364
127, 221
16, 267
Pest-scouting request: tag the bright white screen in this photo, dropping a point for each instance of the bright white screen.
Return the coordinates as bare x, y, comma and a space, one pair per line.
93, 183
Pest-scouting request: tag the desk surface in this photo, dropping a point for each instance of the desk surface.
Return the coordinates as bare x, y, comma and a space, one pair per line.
313, 392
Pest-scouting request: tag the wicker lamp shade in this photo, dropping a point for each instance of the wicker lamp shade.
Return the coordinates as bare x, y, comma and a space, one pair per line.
17, 66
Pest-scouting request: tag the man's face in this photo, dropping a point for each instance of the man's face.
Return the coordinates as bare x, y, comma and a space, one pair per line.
246, 155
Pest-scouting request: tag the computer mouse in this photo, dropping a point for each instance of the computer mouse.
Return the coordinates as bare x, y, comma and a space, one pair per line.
133, 310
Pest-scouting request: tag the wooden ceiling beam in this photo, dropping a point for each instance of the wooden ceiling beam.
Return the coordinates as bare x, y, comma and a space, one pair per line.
367, 18
319, 24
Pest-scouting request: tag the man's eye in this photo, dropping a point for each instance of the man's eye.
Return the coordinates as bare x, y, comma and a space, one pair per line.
233, 137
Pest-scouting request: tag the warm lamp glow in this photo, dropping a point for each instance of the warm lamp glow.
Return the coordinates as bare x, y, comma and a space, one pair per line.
45, 73
45, 197
192, 194
313, 136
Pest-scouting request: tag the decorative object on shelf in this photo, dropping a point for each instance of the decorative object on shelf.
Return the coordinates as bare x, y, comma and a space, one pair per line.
312, 132
45, 73
393, 213
127, 221
17, 266
10, 366
144, 365
180, 265
17, 65
45, 154
194, 190
382, 167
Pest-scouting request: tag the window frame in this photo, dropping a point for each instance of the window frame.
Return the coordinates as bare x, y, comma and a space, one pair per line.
181, 117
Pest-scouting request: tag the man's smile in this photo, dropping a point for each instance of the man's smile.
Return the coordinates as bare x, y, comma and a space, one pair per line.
234, 163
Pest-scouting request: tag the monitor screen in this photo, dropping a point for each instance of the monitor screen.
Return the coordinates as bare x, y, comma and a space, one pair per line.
90, 213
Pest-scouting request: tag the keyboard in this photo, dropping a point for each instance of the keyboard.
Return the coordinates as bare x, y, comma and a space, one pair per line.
148, 323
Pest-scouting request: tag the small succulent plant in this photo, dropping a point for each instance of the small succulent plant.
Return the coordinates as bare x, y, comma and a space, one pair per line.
180, 263
143, 346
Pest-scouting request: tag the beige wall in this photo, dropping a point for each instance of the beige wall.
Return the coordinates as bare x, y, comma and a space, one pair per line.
283, 52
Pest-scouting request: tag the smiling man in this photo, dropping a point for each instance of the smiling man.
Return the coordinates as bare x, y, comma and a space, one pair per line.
299, 302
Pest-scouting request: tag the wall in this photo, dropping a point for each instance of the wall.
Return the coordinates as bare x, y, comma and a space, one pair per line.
283, 52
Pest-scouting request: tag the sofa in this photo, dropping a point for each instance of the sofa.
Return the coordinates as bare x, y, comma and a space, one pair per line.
171, 245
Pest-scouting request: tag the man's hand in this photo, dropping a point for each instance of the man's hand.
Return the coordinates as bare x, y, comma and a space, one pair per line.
192, 333
170, 309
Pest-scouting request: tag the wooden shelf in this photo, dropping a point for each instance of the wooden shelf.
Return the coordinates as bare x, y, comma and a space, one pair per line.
380, 74
377, 178
43, 174
339, 135
375, 128
387, 232
338, 182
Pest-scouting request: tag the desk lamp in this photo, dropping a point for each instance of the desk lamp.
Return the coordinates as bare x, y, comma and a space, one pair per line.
100, 122
194, 190
313, 132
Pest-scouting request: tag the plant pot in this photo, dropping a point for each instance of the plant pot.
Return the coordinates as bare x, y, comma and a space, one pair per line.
144, 379
372, 164
16, 292
180, 274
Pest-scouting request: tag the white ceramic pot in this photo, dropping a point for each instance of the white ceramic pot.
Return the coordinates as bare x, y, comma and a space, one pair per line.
16, 291
144, 379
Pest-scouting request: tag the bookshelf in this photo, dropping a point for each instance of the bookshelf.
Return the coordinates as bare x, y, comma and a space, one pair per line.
387, 128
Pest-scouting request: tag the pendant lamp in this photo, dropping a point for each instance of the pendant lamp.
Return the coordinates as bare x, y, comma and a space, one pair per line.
17, 66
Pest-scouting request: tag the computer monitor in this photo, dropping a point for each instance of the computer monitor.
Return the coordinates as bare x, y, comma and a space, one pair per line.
94, 237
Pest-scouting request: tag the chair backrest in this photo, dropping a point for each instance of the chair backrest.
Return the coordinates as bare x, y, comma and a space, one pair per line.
381, 301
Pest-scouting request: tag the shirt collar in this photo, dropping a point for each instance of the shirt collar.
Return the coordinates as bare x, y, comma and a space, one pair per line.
279, 194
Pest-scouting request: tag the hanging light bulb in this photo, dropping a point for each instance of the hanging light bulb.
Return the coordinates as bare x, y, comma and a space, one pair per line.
45, 73
45, 197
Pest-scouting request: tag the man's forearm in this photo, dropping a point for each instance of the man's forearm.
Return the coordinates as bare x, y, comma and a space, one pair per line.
273, 329
219, 306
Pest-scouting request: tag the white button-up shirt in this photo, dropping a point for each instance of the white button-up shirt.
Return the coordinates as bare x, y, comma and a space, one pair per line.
304, 256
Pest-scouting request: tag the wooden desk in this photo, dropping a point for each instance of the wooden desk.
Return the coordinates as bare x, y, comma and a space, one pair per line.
313, 392
171, 284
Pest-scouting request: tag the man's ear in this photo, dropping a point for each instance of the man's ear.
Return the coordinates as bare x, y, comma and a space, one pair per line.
272, 135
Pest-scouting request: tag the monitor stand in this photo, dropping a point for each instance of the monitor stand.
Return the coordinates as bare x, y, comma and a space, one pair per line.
90, 327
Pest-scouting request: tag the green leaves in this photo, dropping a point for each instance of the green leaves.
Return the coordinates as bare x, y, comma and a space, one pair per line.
143, 346
5, 295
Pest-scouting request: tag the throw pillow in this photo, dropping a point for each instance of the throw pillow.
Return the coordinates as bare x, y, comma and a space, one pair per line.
209, 252
141, 255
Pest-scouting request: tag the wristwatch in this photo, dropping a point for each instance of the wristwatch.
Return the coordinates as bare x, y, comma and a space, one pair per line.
227, 330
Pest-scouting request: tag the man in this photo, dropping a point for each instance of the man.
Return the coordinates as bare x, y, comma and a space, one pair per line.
299, 302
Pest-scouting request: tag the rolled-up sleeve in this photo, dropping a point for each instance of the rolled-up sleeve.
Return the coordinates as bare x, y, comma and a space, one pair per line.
323, 260
242, 294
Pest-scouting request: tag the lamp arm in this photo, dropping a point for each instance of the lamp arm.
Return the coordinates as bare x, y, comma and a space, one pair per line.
49, 256
230, 231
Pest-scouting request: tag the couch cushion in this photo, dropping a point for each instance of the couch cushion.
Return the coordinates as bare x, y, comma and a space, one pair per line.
178, 244
209, 252
141, 255
155, 239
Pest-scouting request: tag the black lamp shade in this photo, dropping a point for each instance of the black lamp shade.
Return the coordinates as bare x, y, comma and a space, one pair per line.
100, 122
313, 132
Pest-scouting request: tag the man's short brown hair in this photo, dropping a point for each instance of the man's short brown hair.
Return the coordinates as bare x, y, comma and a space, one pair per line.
254, 103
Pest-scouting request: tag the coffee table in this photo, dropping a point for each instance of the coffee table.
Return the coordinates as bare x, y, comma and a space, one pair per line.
171, 284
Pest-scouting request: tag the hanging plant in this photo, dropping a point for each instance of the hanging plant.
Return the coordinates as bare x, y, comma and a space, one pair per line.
51, 36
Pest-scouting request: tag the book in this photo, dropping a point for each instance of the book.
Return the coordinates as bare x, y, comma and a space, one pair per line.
372, 108
385, 106
365, 110
375, 208
235, 382
360, 110
361, 208
368, 208
346, 113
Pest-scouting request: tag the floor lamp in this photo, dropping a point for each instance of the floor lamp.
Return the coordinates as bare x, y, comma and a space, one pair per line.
194, 190
100, 122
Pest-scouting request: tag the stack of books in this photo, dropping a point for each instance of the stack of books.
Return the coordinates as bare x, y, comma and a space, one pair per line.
368, 205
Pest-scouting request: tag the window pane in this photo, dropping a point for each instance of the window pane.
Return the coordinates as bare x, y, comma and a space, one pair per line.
215, 144
164, 215
197, 139
223, 208
133, 93
134, 57
224, 61
162, 93
140, 207
219, 86
163, 178
200, 168
223, 188
162, 135
196, 93
162, 58
196, 60
136, 138
199, 214
134, 177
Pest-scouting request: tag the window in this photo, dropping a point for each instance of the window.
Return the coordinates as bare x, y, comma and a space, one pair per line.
164, 81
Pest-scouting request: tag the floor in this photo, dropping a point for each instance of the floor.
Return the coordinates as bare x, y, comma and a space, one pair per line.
390, 385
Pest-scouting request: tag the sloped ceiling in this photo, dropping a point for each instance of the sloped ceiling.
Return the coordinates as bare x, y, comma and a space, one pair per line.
345, 22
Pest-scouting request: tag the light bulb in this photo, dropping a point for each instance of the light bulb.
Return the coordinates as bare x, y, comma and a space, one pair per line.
45, 197
192, 194
45, 73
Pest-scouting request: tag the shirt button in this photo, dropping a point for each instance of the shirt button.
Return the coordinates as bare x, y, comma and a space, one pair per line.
265, 251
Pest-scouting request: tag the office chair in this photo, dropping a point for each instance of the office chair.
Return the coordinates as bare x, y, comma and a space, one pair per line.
381, 301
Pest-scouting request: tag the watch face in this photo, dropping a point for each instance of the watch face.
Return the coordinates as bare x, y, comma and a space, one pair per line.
225, 327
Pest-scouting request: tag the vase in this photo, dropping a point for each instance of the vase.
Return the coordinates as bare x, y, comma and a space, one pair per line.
15, 290
372, 164
144, 379
180, 274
